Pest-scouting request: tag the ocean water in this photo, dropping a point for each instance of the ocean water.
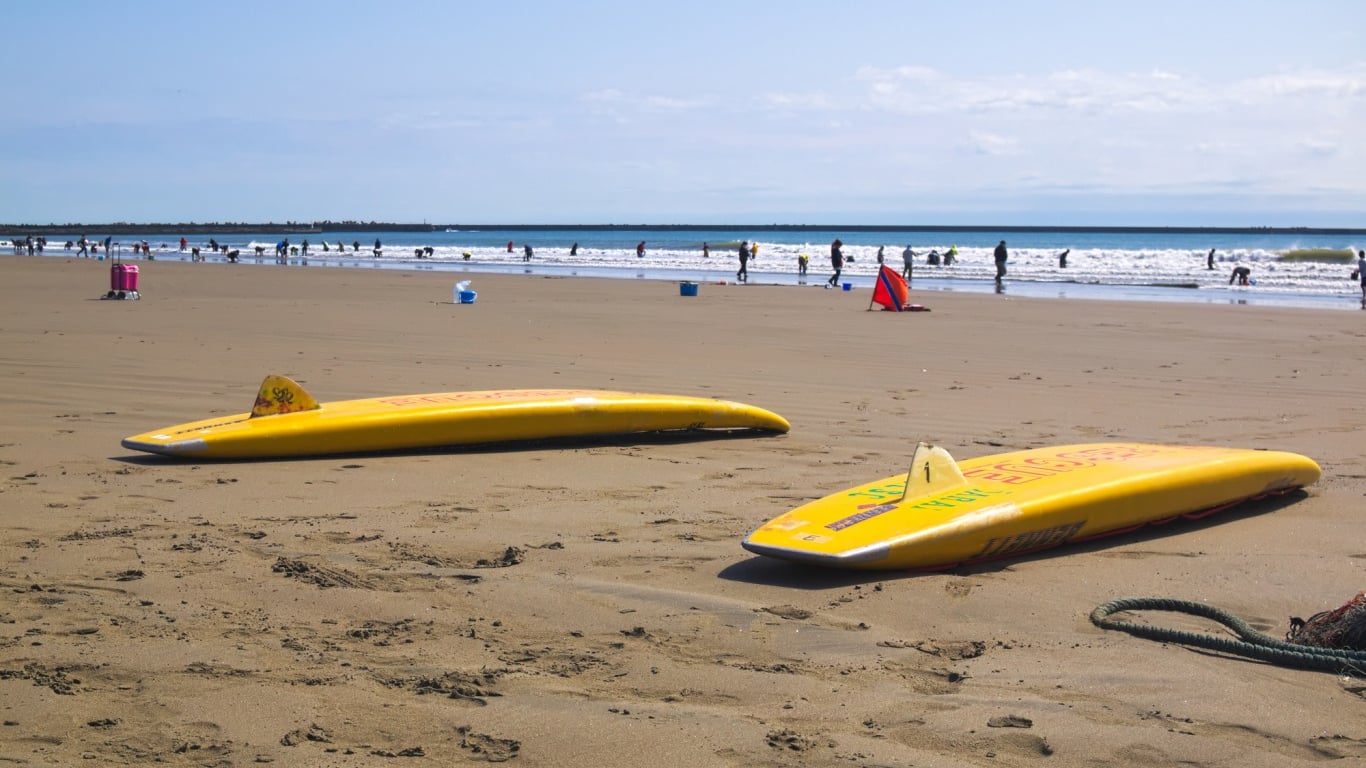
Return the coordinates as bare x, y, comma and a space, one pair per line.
1149, 266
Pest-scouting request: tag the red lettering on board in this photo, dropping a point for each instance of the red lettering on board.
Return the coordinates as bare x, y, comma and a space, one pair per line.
1058, 464
1110, 453
1027, 470
1001, 474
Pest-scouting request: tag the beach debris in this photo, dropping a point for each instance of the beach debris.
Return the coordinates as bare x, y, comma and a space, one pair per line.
1343, 625
319, 575
1010, 721
417, 751
953, 651
468, 687
787, 612
1343, 628
313, 732
789, 740
511, 556
54, 679
491, 748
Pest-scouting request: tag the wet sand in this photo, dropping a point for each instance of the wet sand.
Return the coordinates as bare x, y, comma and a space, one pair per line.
589, 603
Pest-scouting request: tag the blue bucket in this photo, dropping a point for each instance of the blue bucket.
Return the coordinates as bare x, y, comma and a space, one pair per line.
687, 289
467, 297
848, 286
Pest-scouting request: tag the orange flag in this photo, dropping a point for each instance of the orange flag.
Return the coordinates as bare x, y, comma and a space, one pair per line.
891, 290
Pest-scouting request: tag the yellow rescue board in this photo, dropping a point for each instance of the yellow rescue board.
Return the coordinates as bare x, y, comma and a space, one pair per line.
287, 421
943, 513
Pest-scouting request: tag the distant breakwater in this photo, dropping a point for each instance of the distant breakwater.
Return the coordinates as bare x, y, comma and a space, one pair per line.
323, 227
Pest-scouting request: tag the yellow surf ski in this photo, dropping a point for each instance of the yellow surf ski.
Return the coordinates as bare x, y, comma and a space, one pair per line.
943, 513
287, 421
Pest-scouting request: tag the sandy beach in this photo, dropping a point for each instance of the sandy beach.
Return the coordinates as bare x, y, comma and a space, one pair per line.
590, 604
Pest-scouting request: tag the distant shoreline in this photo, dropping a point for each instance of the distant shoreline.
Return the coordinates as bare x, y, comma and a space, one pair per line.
323, 227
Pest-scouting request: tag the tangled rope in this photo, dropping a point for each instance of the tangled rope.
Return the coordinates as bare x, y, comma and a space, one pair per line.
1349, 620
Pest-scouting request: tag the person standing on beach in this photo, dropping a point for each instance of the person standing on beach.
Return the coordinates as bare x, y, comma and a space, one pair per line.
743, 274
640, 250
85, 246
880, 257
1062, 259
526, 252
706, 251
1360, 273
1000, 255
836, 262
754, 250
802, 261
1209, 260
907, 263
574, 249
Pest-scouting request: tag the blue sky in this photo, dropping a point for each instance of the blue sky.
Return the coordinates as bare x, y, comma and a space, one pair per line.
1153, 113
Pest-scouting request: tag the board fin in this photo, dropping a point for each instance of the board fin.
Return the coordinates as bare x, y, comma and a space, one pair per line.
932, 471
281, 394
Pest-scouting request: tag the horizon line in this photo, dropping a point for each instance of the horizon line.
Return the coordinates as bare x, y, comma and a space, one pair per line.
355, 225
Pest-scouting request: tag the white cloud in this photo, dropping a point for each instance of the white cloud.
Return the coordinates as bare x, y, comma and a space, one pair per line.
1342, 85
1317, 147
604, 95
817, 102
671, 104
986, 143
922, 90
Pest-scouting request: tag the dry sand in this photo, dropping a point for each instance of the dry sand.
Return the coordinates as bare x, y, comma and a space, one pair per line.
590, 604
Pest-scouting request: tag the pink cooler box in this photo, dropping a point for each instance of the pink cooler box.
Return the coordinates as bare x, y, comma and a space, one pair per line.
123, 278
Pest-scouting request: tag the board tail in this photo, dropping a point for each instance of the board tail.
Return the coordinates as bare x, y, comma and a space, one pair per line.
281, 394
932, 471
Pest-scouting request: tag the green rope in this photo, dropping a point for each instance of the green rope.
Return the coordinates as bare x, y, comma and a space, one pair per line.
1253, 645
